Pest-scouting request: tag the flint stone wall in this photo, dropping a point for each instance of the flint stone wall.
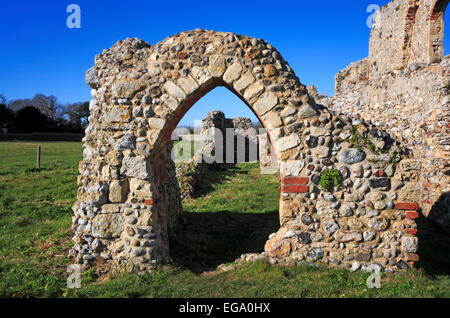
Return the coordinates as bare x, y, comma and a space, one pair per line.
402, 87
128, 202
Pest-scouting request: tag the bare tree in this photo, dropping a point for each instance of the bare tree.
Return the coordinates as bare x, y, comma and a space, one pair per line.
48, 105
78, 114
18, 104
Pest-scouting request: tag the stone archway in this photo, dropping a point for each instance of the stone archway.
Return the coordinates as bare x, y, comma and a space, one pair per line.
128, 199
436, 31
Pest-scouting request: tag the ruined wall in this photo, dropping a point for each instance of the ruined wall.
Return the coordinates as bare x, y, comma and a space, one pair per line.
223, 138
213, 136
387, 38
363, 221
347, 191
407, 31
398, 90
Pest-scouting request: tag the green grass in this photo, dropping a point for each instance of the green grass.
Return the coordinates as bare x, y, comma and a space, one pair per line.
260, 279
235, 213
35, 216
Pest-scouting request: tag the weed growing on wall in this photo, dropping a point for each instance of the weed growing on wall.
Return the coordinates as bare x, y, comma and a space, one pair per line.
330, 178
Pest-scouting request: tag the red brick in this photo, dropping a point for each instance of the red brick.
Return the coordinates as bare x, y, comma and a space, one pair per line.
149, 201
294, 188
378, 173
411, 257
182, 55
294, 180
406, 206
411, 231
412, 264
412, 215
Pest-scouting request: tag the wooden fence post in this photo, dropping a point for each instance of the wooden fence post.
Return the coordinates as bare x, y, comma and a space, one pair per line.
38, 159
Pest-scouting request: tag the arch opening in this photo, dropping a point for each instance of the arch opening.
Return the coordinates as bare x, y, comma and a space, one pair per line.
232, 208
436, 32
189, 102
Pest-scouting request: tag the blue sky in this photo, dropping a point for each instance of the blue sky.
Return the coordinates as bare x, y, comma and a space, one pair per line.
39, 54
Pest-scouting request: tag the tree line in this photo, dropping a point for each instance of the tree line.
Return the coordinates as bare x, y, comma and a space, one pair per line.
42, 114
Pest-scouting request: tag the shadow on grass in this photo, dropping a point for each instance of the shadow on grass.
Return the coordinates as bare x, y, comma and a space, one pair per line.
23, 171
208, 239
434, 248
215, 175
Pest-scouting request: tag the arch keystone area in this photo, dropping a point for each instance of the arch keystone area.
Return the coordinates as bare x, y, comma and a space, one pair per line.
129, 201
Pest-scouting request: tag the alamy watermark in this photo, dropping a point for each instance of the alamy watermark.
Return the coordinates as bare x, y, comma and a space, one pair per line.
373, 17
74, 279
230, 146
74, 19
374, 280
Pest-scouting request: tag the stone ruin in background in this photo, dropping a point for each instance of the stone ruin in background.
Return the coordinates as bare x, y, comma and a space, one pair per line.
226, 133
216, 132
350, 191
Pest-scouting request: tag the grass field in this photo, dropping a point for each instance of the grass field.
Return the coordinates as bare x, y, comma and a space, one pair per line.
238, 209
